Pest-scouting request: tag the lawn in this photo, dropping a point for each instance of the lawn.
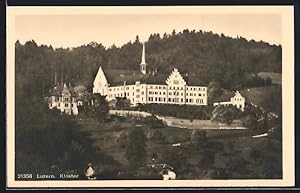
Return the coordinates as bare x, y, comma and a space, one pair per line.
276, 77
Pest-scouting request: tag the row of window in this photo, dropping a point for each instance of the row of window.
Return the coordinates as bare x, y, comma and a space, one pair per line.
66, 99
157, 99
66, 105
237, 99
155, 93
161, 87
174, 100
157, 87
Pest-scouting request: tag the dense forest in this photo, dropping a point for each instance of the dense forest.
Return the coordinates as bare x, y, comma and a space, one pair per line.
208, 56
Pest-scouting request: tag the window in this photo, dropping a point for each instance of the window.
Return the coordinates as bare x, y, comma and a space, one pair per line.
58, 104
137, 90
182, 100
159, 87
186, 100
191, 100
67, 99
199, 89
66, 105
142, 93
199, 94
169, 99
72, 105
175, 82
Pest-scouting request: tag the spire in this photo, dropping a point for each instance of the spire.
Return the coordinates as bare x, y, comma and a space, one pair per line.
143, 55
143, 62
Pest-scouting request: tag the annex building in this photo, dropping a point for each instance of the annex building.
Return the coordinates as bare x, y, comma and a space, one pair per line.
237, 100
147, 87
64, 99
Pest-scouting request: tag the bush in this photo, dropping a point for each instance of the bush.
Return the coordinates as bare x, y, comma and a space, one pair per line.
226, 115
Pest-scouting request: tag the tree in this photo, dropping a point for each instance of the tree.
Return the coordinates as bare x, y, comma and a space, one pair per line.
122, 102
214, 90
176, 158
199, 138
136, 148
99, 109
226, 114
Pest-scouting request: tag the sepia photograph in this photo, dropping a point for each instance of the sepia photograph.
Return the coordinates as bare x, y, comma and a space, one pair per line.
150, 96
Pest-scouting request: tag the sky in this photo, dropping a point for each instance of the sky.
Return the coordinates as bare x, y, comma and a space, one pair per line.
75, 30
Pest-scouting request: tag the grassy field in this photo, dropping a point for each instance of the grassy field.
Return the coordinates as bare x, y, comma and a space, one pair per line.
270, 97
276, 77
227, 146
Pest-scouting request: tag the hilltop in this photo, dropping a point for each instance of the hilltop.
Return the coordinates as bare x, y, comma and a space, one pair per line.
205, 56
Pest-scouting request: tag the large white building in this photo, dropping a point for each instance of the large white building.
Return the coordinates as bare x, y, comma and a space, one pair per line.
145, 87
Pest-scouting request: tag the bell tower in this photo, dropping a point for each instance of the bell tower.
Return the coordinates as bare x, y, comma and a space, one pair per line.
143, 64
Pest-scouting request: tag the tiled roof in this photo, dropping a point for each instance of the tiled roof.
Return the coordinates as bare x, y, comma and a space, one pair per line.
225, 96
116, 77
57, 90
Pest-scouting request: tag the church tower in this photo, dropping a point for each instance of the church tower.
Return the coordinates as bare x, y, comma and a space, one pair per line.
143, 64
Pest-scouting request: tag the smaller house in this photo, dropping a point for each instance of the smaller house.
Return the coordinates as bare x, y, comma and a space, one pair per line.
237, 100
63, 99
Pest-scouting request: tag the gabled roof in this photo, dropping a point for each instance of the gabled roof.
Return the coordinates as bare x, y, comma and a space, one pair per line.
225, 96
117, 77
58, 90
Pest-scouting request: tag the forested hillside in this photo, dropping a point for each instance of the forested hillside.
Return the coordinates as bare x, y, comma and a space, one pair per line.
233, 62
